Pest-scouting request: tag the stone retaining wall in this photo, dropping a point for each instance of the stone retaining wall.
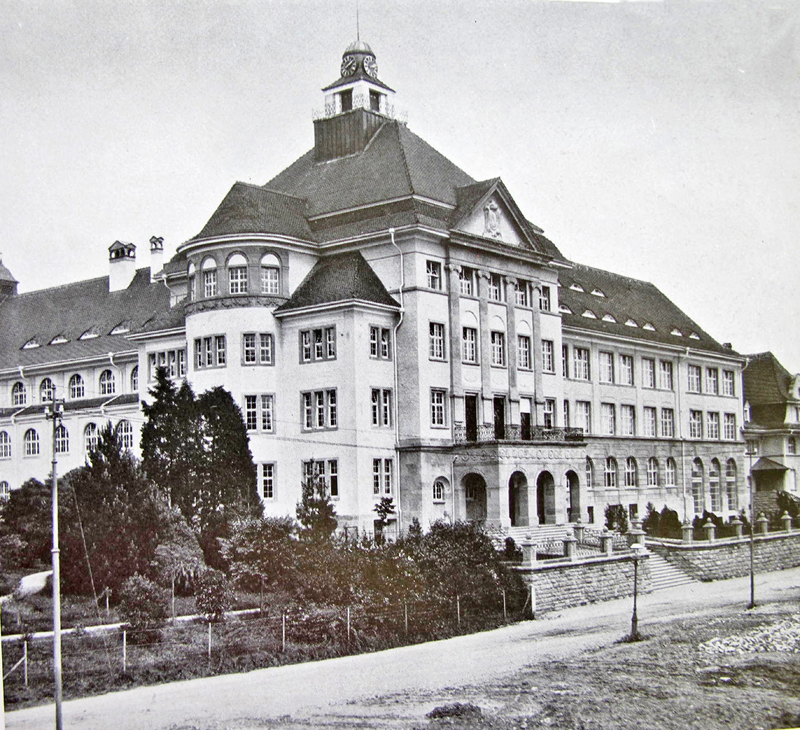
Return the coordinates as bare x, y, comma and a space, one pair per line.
560, 585
730, 557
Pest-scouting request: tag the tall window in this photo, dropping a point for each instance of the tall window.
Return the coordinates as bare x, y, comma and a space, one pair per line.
668, 423
270, 274
438, 407
631, 472
609, 417
380, 343
5, 445
19, 394
191, 282
649, 421
436, 341
548, 357
326, 470
697, 486
628, 414
695, 424
549, 413
727, 383
318, 344
583, 415
62, 440
606, 367
237, 274
108, 384
544, 298
730, 426
589, 473
5, 491
381, 407
712, 380
210, 352
267, 480
495, 287
670, 473
382, 472
521, 293
209, 278
626, 369
91, 436
498, 349
31, 442
125, 434
567, 422
257, 348
730, 485
610, 475
648, 372
438, 491
259, 412
433, 270
652, 472
135, 379
46, 390
695, 375
714, 488
580, 370
665, 374
791, 445
466, 281
469, 341
77, 389
565, 361
320, 410
712, 425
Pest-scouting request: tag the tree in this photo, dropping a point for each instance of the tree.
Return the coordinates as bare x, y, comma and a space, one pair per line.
143, 605
27, 516
616, 518
213, 595
383, 509
315, 510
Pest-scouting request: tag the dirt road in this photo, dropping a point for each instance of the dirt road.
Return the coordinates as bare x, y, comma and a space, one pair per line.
361, 691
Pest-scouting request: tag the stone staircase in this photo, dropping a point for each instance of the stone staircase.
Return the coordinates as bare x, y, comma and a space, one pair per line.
664, 574
539, 533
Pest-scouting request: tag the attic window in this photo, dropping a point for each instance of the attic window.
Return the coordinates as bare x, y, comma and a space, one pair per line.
608, 317
58, 340
90, 334
694, 336
648, 326
589, 314
121, 328
675, 331
631, 323
576, 287
31, 343
597, 293
564, 309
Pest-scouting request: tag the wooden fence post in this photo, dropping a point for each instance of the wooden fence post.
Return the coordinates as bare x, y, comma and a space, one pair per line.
505, 615
458, 610
209, 640
405, 615
348, 624
124, 651
25, 663
283, 630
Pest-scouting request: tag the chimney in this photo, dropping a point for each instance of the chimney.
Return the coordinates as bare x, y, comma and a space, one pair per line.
156, 257
121, 265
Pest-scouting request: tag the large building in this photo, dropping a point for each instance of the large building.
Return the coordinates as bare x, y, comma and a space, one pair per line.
403, 329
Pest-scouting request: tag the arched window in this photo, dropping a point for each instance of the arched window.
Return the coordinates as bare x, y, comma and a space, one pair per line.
90, 437
611, 472
237, 274
730, 485
439, 489
670, 473
209, 267
31, 442
713, 487
652, 472
46, 390
191, 282
135, 379
589, 473
5, 492
270, 274
19, 394
5, 445
125, 434
697, 486
77, 389
62, 440
791, 446
108, 385
631, 472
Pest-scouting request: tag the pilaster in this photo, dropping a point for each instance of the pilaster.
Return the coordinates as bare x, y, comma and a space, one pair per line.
487, 407
454, 312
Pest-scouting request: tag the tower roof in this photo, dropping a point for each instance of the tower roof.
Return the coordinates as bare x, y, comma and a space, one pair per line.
5, 274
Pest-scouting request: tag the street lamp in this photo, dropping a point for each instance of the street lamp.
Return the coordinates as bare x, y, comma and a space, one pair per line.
54, 411
637, 552
752, 450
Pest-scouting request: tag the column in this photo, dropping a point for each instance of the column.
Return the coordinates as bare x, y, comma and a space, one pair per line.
456, 381
512, 419
486, 427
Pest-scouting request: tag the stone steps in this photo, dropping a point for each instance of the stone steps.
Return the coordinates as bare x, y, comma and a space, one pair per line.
539, 533
664, 574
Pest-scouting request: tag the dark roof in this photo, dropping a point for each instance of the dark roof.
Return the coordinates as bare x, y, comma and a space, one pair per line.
357, 76
71, 310
254, 209
6, 275
340, 278
766, 381
767, 464
123, 399
625, 299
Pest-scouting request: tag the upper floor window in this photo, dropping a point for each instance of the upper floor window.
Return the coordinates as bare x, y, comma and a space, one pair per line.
626, 369
173, 360
628, 418
381, 407
318, 344
135, 379
498, 340
521, 293
19, 394
125, 434
259, 412
583, 415
91, 437
712, 425
495, 287
5, 445
727, 383
209, 268
648, 372
649, 421
548, 356
108, 384
436, 341
466, 281
237, 274
549, 413
380, 343
438, 415
606, 367
696, 424
77, 388
791, 446
667, 422
433, 271
210, 352
469, 339
320, 410
524, 352
609, 416
31, 442
47, 390
694, 378
270, 274
62, 439
580, 370
544, 299
665, 374
712, 380
729, 426
257, 348
191, 282
565, 360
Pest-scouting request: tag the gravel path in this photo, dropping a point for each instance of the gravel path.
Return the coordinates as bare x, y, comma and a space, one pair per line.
337, 691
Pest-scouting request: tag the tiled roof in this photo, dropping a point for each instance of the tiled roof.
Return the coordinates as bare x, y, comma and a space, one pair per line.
84, 404
628, 299
5, 274
340, 278
766, 381
69, 311
253, 209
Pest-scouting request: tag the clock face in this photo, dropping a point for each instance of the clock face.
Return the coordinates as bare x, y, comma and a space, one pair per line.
371, 67
349, 64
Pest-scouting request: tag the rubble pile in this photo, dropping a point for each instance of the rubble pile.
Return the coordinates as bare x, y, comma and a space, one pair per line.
780, 636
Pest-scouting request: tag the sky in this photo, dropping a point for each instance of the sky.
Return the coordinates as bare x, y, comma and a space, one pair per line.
656, 139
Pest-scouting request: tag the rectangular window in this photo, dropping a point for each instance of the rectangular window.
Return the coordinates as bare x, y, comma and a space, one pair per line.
695, 424
524, 352
433, 270
173, 360
544, 298
333, 476
608, 414
237, 280
583, 415
606, 367
210, 283
549, 413
387, 476
712, 425
495, 288
436, 341
380, 343
649, 421
318, 344
580, 369
381, 407
270, 280
251, 412
327, 471
382, 476
209, 352
648, 372
565, 361
665, 374
249, 354
466, 281
695, 374
268, 481
729, 424
498, 349
438, 407
548, 357
712, 381
521, 293
469, 340
377, 472
265, 348
319, 410
567, 423
628, 414
626, 369
727, 383
668, 423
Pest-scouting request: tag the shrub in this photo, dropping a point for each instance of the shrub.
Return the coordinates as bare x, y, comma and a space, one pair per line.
616, 518
143, 604
213, 595
669, 524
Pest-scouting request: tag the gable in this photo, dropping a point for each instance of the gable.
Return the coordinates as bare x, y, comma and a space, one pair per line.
492, 219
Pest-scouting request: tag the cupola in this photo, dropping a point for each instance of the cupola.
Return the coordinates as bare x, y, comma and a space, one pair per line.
356, 105
8, 284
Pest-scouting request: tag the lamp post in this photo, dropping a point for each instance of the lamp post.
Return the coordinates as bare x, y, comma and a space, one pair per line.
54, 411
752, 450
637, 551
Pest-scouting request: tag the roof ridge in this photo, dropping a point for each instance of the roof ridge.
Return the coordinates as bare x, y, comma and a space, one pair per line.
613, 273
406, 169
69, 284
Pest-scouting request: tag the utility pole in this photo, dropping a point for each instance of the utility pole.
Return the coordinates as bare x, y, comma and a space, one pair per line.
54, 411
752, 446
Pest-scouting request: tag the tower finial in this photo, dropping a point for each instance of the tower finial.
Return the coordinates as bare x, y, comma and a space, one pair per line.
358, 25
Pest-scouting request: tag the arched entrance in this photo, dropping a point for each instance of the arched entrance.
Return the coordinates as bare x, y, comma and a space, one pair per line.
518, 499
574, 491
475, 496
546, 498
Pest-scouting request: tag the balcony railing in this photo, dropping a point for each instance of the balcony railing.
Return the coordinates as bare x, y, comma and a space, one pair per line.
362, 101
536, 434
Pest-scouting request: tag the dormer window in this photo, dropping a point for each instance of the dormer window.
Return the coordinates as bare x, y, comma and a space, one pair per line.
597, 293
121, 328
346, 99
564, 309
58, 340
694, 336
609, 318
31, 344
576, 287
648, 326
90, 334
675, 331
589, 314
631, 323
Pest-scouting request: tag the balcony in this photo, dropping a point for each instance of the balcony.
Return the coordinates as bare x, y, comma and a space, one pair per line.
513, 433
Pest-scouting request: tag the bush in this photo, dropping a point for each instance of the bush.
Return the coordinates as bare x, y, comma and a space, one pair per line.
143, 604
213, 595
616, 518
